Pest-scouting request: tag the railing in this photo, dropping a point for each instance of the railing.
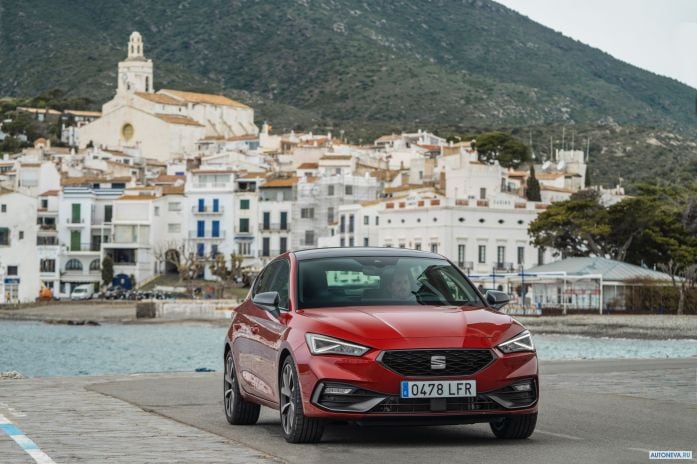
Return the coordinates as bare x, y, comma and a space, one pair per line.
508, 267
274, 227
207, 235
50, 240
84, 247
47, 227
72, 220
217, 185
207, 210
465, 265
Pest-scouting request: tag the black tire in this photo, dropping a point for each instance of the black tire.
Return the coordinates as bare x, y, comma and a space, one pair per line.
238, 411
516, 427
296, 427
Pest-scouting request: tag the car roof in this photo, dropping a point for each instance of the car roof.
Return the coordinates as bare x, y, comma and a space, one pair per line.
350, 252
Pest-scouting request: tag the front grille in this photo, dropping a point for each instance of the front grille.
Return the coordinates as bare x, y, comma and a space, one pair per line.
418, 363
397, 405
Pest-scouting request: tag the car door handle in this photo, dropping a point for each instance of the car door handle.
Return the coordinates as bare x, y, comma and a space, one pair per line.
255, 330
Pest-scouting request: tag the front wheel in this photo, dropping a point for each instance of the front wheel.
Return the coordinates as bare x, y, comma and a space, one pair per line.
238, 411
297, 428
514, 427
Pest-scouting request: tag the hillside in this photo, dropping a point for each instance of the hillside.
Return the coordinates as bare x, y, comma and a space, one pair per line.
363, 66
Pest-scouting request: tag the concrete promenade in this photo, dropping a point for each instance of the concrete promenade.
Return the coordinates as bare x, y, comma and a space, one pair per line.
590, 411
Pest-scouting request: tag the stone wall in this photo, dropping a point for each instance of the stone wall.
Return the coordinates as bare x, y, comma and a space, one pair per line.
187, 309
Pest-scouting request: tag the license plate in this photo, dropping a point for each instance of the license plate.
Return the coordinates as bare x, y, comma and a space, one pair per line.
439, 389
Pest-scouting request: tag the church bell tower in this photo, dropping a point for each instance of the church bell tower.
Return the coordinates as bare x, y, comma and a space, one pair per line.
135, 72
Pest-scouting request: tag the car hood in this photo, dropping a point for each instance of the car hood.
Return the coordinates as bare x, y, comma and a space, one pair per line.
392, 322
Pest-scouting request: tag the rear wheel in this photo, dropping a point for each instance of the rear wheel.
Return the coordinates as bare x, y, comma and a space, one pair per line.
297, 428
238, 411
514, 427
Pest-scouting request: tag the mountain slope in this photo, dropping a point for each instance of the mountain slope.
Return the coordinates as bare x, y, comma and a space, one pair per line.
465, 63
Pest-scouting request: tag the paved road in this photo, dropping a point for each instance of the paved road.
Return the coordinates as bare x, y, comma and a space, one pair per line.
591, 411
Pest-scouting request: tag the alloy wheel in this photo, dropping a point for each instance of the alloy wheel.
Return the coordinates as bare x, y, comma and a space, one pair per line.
287, 403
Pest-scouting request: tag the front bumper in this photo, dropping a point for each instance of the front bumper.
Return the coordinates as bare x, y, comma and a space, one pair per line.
376, 390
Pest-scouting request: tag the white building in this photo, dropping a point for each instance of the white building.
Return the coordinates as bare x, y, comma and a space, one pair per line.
163, 125
277, 199
19, 261
47, 240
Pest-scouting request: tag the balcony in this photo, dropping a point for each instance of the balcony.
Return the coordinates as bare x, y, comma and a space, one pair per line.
505, 267
49, 240
207, 210
246, 232
465, 265
274, 227
207, 235
213, 185
84, 247
75, 222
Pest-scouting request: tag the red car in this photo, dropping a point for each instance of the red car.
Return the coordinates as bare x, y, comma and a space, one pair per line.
377, 336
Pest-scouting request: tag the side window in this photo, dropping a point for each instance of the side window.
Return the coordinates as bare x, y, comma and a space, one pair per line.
263, 282
281, 282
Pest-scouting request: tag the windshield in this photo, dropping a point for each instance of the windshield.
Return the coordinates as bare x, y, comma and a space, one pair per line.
378, 281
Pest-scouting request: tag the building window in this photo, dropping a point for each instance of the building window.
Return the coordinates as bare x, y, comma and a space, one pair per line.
348, 189
351, 242
482, 193
73, 265
174, 206
108, 212
94, 265
284, 220
12, 270
244, 248
307, 213
244, 204
21, 235
482, 254
214, 251
174, 228
351, 221
244, 225
342, 242
540, 256
330, 215
3, 208
266, 246
342, 224
330, 190
366, 242
434, 248
500, 256
200, 250
157, 210
309, 237
44, 203
283, 247
266, 221
366, 220
521, 255
417, 245
461, 255
48, 265
377, 220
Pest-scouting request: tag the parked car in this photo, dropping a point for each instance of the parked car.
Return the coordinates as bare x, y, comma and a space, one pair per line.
377, 336
82, 292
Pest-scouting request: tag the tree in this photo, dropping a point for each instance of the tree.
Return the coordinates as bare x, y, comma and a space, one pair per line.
578, 226
230, 274
107, 270
682, 276
504, 148
533, 186
587, 180
181, 255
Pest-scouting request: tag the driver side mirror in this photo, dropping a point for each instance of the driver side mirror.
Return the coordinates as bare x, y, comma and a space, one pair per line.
267, 300
496, 299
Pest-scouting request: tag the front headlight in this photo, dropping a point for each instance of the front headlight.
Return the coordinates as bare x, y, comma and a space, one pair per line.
521, 342
321, 344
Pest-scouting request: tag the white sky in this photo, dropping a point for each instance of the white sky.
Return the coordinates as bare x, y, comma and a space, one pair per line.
657, 35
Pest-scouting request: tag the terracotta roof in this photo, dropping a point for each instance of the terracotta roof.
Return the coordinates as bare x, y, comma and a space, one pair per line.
429, 147
517, 174
335, 157
309, 166
92, 180
40, 140
165, 179
242, 137
284, 182
5, 191
172, 190
176, 119
50, 193
84, 113
160, 98
31, 165
205, 98
252, 175
388, 138
371, 202
549, 175
552, 188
